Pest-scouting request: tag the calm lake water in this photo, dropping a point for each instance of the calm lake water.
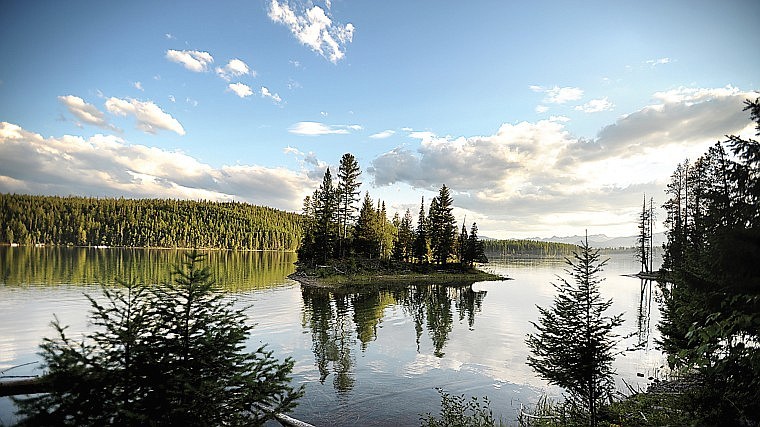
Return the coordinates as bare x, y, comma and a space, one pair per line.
367, 357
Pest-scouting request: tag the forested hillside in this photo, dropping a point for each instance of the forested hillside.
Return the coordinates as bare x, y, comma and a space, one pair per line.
529, 248
145, 223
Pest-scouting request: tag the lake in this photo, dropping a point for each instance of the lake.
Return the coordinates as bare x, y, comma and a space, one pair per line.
372, 356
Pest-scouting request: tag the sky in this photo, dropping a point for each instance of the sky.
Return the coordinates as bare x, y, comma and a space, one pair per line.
544, 118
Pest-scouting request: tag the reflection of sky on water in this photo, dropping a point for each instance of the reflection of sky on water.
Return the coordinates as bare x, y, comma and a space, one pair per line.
378, 355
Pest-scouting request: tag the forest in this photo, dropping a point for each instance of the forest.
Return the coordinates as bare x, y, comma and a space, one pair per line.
711, 296
161, 223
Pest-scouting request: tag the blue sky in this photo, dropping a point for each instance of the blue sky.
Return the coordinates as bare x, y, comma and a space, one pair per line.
544, 118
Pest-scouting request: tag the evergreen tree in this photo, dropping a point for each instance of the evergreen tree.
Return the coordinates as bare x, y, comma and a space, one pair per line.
462, 251
421, 244
573, 345
475, 250
644, 239
348, 192
442, 226
171, 355
403, 245
366, 236
326, 217
711, 305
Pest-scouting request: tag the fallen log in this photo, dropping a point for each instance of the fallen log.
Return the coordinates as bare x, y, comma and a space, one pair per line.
42, 385
26, 386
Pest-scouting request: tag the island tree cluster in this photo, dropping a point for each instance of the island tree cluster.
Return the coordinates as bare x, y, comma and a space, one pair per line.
711, 305
335, 226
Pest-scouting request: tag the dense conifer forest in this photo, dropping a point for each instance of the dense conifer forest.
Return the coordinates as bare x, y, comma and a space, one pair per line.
527, 248
164, 223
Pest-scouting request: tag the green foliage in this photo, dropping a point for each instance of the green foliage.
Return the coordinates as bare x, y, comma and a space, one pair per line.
527, 248
573, 346
442, 226
421, 238
167, 355
146, 223
711, 305
456, 411
348, 195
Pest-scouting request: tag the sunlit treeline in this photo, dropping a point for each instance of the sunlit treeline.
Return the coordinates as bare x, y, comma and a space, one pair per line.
161, 223
232, 270
522, 248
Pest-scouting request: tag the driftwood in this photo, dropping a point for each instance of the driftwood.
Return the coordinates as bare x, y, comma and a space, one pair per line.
26, 386
37, 385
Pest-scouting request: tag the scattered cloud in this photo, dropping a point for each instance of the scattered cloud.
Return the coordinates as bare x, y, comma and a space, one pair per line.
107, 166
234, 68
559, 95
316, 128
596, 105
660, 61
382, 135
150, 118
138, 86
240, 89
86, 113
265, 93
169, 36
313, 27
193, 60
540, 109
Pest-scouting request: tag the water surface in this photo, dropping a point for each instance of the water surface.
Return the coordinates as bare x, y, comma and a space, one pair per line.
367, 356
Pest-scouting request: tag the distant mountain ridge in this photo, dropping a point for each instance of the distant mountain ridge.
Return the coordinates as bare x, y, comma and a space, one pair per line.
602, 240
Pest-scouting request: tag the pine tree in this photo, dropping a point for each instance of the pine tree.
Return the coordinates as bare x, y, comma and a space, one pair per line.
442, 226
475, 249
366, 237
326, 217
348, 193
166, 355
421, 244
574, 342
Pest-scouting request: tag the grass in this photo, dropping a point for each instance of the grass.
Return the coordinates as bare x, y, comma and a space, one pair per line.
358, 272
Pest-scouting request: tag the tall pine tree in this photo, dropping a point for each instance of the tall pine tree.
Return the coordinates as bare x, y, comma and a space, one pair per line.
348, 193
573, 345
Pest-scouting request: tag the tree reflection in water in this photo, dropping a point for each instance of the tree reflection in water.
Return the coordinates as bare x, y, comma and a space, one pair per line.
339, 319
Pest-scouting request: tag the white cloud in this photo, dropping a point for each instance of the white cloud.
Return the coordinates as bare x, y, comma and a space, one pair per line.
537, 176
109, 166
193, 60
596, 105
234, 68
384, 134
540, 109
660, 61
314, 28
240, 89
316, 128
265, 93
85, 112
150, 118
559, 95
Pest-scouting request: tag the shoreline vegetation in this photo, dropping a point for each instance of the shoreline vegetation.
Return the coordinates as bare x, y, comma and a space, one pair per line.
362, 272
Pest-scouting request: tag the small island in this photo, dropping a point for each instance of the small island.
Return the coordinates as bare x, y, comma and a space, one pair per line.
363, 272
344, 245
